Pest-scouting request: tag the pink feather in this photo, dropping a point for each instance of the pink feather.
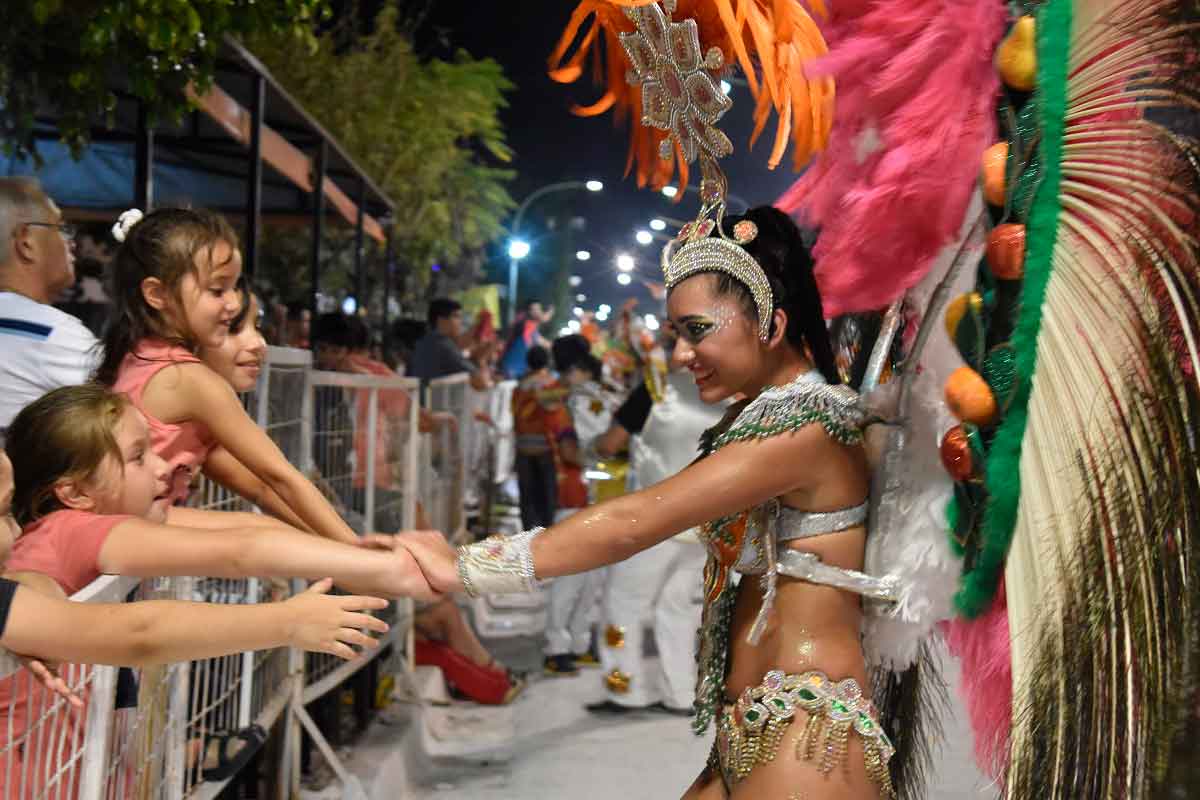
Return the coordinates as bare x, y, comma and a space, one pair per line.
984, 651
917, 77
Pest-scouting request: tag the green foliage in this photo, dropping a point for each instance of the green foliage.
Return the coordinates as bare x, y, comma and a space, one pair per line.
68, 57
427, 131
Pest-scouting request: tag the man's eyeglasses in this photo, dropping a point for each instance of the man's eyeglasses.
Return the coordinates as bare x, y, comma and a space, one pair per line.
67, 231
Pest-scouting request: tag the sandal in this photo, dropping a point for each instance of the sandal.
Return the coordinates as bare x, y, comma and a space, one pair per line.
251, 739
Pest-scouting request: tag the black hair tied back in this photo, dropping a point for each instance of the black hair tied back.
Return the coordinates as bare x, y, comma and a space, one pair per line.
780, 250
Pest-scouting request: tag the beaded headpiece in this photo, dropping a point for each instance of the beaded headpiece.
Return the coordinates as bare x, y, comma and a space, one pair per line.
680, 96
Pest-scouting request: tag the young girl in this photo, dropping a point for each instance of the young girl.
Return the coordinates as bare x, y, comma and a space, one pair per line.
175, 290
37, 620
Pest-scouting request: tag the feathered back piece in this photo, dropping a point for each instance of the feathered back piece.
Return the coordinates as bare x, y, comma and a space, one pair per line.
769, 39
1092, 474
916, 94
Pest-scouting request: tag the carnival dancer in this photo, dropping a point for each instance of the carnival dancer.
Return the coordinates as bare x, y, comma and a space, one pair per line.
590, 405
661, 422
781, 497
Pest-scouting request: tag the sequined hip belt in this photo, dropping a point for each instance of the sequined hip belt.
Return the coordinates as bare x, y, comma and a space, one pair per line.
750, 731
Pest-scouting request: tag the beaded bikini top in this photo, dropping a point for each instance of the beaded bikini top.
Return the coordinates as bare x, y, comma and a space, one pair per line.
749, 542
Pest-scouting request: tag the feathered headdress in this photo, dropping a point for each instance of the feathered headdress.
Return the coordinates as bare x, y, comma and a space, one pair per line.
769, 39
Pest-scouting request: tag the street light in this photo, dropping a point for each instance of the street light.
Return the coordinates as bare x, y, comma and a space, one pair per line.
581, 298
574, 280
604, 308
726, 87
518, 249
657, 224
625, 262
577, 311
651, 322
669, 191
590, 185
623, 278
644, 237
582, 255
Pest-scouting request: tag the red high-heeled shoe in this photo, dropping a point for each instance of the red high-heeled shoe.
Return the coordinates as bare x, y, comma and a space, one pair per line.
488, 685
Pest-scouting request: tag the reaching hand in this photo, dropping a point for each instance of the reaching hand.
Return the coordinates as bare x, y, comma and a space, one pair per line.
325, 623
47, 674
405, 576
436, 558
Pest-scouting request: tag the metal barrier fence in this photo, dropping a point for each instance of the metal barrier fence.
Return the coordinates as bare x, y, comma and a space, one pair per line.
357, 437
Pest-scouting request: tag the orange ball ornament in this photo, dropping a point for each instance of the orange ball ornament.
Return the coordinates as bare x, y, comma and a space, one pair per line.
1006, 251
969, 398
957, 309
995, 164
956, 454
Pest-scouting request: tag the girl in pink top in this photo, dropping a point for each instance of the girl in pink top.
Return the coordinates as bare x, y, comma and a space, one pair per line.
93, 498
176, 289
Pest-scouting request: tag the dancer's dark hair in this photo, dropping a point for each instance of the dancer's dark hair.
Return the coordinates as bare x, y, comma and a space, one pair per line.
780, 250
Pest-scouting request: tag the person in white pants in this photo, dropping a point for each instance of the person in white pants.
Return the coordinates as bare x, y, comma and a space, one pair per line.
573, 599
662, 420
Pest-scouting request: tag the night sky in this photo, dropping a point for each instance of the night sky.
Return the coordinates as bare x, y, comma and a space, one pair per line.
551, 144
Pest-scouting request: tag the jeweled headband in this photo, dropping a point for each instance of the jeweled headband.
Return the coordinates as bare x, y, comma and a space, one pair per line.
680, 96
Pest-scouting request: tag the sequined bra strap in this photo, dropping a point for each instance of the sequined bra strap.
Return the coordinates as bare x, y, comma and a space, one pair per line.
796, 524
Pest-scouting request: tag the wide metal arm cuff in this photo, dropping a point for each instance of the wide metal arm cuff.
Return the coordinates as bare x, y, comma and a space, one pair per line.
499, 565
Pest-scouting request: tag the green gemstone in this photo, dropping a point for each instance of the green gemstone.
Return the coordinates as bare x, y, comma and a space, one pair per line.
865, 721
751, 715
807, 694
839, 707
778, 703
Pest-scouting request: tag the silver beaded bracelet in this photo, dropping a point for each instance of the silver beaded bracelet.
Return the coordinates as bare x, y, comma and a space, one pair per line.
499, 565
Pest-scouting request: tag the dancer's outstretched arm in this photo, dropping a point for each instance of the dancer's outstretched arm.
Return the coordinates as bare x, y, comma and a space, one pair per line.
805, 464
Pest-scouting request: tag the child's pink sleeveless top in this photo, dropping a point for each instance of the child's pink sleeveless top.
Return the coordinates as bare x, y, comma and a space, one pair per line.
185, 445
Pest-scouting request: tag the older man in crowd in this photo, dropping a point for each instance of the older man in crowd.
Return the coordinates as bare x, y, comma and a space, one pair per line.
43, 348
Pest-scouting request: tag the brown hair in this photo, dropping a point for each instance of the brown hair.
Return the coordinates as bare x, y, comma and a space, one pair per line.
65, 434
164, 245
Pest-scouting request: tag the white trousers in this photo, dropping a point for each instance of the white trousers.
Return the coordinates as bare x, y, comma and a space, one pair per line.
657, 586
572, 606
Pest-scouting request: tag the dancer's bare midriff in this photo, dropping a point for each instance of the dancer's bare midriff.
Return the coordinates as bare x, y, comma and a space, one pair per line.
811, 627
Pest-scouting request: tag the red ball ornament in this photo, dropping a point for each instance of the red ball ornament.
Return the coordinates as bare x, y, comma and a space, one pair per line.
956, 454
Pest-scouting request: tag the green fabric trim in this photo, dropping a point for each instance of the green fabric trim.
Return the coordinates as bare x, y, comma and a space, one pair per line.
1003, 479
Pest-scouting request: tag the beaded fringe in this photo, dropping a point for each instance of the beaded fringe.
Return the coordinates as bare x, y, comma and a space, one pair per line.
750, 735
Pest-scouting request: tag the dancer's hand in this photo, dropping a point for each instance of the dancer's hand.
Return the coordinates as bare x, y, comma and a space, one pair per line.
325, 623
436, 557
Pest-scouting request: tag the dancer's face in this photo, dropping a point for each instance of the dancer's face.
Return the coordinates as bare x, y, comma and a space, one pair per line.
716, 341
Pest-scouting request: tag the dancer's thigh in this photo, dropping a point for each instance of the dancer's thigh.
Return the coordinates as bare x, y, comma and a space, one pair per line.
706, 787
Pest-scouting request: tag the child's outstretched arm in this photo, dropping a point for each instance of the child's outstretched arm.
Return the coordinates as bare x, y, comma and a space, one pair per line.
163, 631
225, 469
186, 517
142, 548
202, 395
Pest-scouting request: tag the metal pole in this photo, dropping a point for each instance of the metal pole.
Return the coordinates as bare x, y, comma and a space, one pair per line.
516, 230
360, 272
318, 224
258, 101
389, 258
143, 173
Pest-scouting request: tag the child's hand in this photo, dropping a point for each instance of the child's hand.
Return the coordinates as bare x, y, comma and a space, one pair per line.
377, 541
47, 674
412, 582
325, 623
436, 557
